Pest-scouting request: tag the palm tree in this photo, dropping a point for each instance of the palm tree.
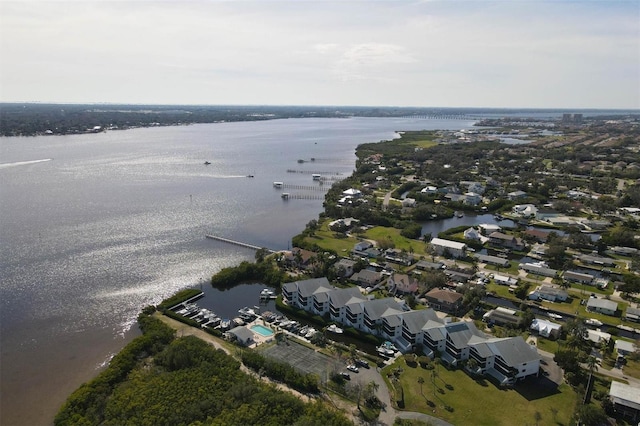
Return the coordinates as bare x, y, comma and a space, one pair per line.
421, 381
592, 364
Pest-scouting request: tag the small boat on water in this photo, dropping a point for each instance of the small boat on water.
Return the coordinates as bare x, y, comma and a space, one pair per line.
459, 214
267, 293
250, 176
285, 195
278, 184
316, 176
206, 163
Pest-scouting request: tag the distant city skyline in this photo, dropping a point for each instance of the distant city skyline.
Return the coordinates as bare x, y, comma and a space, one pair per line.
496, 54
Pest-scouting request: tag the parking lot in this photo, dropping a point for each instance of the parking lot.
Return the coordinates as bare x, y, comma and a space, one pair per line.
302, 358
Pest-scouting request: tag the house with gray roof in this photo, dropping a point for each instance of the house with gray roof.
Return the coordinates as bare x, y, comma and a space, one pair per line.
366, 278
632, 314
242, 335
492, 260
454, 248
550, 293
596, 260
604, 306
578, 277
423, 265
344, 267
626, 401
412, 324
340, 298
376, 309
300, 294
534, 268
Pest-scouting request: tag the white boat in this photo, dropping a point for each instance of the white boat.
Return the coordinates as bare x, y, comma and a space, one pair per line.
278, 184
556, 316
285, 195
316, 176
267, 294
310, 332
593, 321
335, 329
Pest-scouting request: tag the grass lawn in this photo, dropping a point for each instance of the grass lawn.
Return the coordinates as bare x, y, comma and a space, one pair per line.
502, 291
381, 233
512, 269
482, 403
424, 143
581, 310
632, 368
588, 289
547, 345
325, 239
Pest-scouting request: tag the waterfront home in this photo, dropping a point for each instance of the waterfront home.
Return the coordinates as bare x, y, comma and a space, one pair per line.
626, 401
345, 223
604, 306
525, 210
506, 241
352, 193
624, 348
299, 258
537, 235
472, 234
340, 298
550, 293
444, 300
502, 317
429, 190
488, 228
546, 328
241, 334
632, 314
506, 359
367, 278
402, 284
300, 294
453, 248
516, 195
472, 198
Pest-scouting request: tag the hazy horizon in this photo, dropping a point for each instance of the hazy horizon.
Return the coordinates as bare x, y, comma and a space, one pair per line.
423, 54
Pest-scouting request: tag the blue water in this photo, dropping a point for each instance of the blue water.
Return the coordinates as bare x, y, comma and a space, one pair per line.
95, 227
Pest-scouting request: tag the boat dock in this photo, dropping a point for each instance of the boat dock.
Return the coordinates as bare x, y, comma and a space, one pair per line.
237, 243
184, 303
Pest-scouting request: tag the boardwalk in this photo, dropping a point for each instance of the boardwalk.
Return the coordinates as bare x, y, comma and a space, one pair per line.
237, 243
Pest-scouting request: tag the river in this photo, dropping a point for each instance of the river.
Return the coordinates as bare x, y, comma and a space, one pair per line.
97, 226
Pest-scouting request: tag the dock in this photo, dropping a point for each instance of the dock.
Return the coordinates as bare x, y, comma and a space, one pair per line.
237, 243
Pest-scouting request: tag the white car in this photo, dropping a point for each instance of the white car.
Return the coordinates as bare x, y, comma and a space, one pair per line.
352, 367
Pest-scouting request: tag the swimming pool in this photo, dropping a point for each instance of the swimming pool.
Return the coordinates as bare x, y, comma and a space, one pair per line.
262, 330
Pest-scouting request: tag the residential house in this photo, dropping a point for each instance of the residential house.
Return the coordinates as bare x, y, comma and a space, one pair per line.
537, 235
423, 265
504, 280
454, 248
300, 258
367, 278
488, 228
361, 246
624, 348
525, 210
402, 284
546, 328
604, 306
344, 267
472, 198
409, 202
578, 277
632, 314
472, 234
550, 293
596, 260
538, 269
506, 241
398, 256
352, 193
502, 317
626, 401
516, 195
429, 190
493, 260
444, 300
241, 334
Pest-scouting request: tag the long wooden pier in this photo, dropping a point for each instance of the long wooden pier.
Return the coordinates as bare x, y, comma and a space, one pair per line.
237, 243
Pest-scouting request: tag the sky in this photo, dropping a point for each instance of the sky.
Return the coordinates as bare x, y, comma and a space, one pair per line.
430, 53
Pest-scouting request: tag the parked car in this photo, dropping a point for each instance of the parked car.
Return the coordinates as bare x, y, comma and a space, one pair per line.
352, 367
345, 376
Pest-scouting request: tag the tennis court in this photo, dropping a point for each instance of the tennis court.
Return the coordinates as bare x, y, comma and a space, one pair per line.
302, 358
